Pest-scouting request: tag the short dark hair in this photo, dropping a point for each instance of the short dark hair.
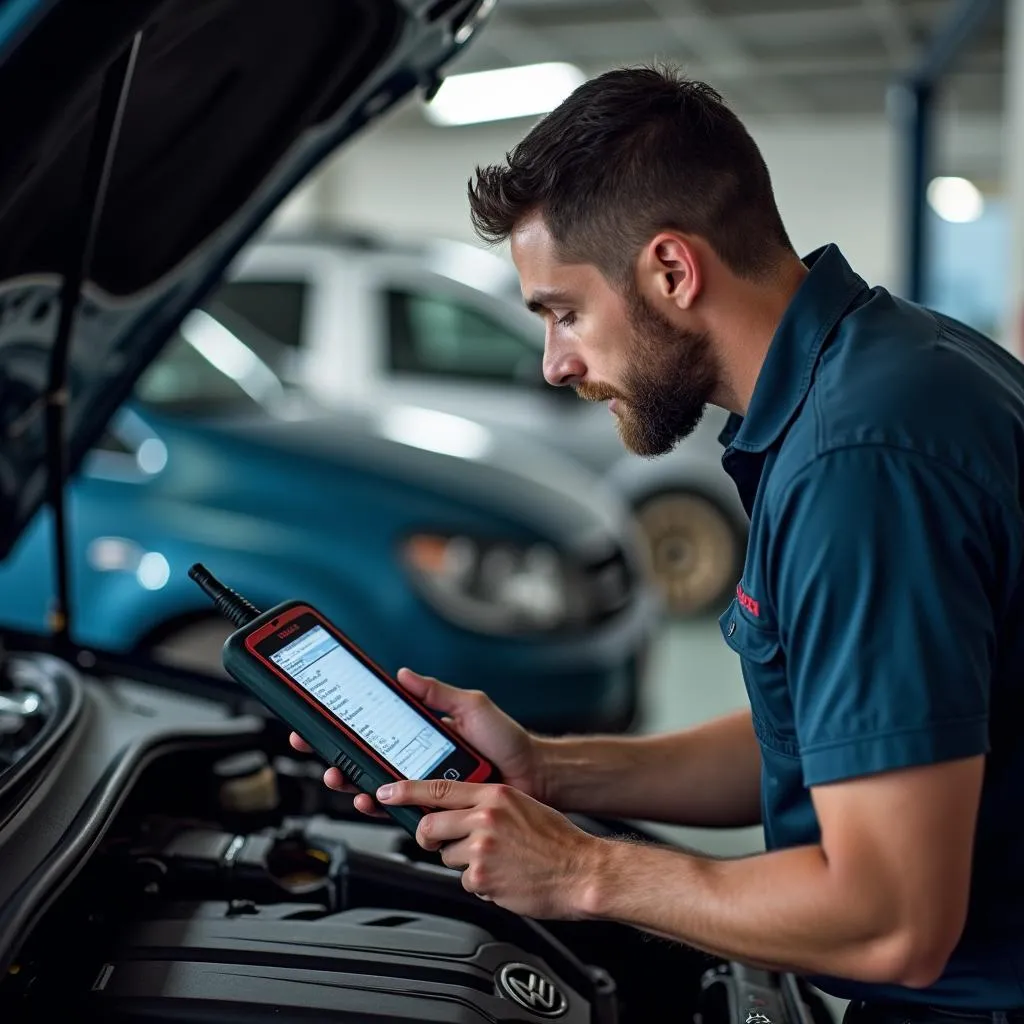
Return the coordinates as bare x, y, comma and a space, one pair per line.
630, 153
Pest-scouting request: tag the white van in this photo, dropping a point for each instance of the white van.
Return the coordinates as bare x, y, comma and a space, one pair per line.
442, 325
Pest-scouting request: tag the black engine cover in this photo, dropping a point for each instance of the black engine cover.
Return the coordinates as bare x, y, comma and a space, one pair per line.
358, 965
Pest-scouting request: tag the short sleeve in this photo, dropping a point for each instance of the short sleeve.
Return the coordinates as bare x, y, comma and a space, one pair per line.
885, 570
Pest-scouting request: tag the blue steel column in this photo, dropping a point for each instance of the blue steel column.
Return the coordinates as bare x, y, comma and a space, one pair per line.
916, 94
915, 105
1013, 147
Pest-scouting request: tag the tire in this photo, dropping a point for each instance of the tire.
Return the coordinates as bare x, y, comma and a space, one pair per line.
195, 645
623, 723
694, 551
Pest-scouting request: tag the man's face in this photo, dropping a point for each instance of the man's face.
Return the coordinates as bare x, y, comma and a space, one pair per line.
657, 376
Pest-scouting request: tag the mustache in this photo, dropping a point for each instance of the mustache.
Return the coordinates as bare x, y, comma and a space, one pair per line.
597, 392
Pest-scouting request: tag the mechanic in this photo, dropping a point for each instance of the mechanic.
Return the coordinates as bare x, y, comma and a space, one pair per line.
877, 447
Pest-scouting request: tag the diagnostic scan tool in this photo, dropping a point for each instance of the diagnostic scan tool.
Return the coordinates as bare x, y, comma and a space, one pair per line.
309, 674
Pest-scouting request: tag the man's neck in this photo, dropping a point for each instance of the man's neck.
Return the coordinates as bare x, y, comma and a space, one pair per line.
745, 330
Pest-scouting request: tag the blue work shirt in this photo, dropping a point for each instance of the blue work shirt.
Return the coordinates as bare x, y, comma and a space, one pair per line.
880, 613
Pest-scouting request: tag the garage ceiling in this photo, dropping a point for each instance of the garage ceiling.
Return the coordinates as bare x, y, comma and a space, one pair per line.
768, 57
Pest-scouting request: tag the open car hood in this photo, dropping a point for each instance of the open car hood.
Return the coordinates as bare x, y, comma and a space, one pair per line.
144, 142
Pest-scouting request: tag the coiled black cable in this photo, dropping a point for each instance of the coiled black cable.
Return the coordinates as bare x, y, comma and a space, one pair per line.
232, 606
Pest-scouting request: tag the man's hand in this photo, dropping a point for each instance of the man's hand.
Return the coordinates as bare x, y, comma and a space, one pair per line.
472, 715
708, 776
515, 851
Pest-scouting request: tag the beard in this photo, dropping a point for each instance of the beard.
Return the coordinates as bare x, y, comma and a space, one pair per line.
671, 377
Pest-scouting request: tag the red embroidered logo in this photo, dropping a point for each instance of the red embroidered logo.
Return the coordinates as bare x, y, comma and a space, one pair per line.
747, 601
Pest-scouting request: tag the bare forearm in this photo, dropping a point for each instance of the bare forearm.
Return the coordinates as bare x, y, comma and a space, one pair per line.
783, 910
708, 776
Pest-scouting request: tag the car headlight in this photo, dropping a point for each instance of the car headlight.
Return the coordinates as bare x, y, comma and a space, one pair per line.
496, 586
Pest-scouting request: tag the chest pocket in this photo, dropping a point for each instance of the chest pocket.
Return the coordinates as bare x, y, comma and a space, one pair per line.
764, 674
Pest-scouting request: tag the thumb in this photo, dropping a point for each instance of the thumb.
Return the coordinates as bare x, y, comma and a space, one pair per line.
430, 691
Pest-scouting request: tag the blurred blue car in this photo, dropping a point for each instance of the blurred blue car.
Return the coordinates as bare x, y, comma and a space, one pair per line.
463, 551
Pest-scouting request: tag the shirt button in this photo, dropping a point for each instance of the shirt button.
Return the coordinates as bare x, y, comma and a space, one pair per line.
732, 627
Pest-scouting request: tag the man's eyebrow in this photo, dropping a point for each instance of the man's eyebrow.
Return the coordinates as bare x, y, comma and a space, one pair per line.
545, 298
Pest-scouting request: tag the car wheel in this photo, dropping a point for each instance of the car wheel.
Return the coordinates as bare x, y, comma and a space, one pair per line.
196, 646
694, 551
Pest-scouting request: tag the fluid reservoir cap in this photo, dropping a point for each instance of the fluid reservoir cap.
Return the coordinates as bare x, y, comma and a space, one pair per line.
237, 766
247, 783
238, 907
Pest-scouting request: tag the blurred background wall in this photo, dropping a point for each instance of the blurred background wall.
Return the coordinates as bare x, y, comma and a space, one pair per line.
835, 180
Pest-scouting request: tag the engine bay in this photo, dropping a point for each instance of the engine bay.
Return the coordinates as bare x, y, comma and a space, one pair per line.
204, 901
230, 884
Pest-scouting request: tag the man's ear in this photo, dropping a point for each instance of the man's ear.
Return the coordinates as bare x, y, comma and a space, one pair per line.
670, 269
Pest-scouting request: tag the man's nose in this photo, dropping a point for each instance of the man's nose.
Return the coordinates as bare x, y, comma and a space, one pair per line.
562, 369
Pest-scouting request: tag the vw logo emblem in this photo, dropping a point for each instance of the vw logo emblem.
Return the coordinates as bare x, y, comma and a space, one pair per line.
532, 989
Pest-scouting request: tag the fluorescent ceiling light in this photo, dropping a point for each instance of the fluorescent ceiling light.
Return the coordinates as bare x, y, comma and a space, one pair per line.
506, 92
955, 199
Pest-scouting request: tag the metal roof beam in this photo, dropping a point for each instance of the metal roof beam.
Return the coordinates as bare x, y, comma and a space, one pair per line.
952, 38
712, 40
894, 30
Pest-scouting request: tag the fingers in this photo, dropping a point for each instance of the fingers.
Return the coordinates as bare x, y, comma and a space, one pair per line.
432, 692
441, 793
442, 827
333, 779
365, 805
363, 802
458, 856
299, 744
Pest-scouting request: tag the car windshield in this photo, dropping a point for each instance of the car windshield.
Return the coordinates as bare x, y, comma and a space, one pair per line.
210, 367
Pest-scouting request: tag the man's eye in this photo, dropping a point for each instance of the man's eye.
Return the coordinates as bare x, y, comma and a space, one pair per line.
566, 321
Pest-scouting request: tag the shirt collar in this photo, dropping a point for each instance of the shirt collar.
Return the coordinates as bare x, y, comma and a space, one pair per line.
785, 378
